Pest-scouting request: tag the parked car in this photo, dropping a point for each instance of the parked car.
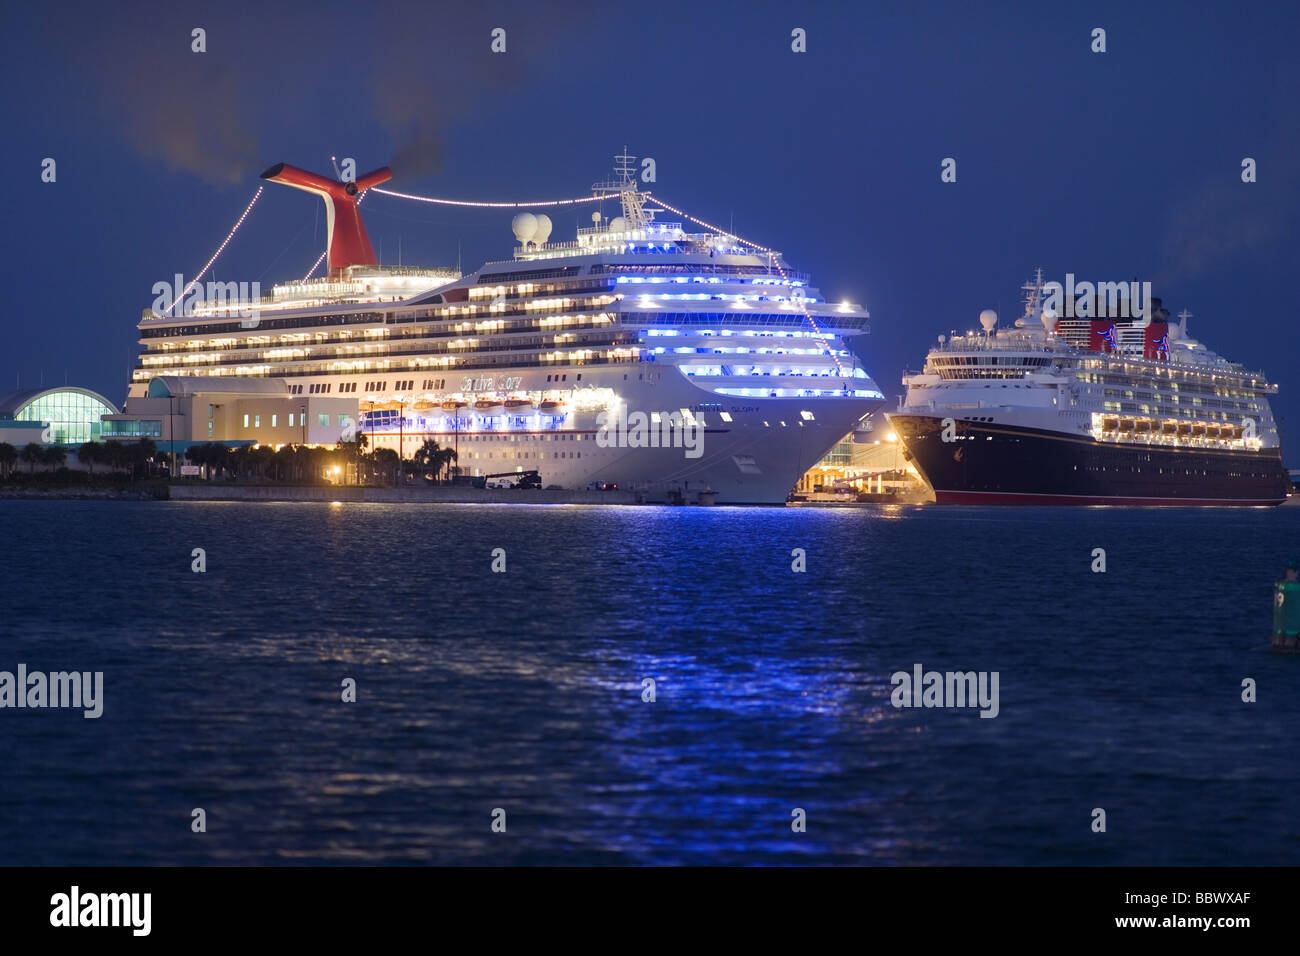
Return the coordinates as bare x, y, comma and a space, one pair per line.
602, 486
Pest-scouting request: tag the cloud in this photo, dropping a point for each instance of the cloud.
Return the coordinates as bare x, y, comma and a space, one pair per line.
414, 67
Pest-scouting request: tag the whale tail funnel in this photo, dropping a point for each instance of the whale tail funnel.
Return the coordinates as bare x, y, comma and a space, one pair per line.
348, 243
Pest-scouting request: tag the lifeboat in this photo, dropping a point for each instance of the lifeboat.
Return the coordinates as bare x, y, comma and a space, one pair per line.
520, 406
1237, 432
1126, 425
1143, 426
1110, 424
1184, 429
1198, 431
487, 406
551, 408
454, 408
1168, 428
422, 405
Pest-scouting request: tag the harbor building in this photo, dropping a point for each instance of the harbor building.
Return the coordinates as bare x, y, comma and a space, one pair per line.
176, 412
62, 415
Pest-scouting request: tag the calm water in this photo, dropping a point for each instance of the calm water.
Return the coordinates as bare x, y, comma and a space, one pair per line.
523, 690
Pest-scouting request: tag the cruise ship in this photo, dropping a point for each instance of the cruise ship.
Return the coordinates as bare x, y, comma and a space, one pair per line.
519, 365
1086, 410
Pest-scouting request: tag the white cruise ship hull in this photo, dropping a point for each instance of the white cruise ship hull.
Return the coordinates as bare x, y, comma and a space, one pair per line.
756, 458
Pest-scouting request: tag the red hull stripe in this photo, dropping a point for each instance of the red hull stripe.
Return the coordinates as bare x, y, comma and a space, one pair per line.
1013, 498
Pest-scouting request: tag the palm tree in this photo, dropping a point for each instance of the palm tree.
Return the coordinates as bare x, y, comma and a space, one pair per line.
143, 450
114, 455
354, 450
8, 457
262, 457
53, 455
432, 458
32, 453
89, 453
386, 463
212, 455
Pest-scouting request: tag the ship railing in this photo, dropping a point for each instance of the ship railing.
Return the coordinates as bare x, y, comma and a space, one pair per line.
1011, 342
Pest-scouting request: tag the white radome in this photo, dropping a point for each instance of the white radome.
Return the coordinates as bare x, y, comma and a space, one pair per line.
989, 319
543, 231
618, 224
524, 226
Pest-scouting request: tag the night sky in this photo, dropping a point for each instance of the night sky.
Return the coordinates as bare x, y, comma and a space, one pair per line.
1111, 166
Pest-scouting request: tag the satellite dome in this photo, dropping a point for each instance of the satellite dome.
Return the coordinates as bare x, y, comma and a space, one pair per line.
942, 339
543, 229
989, 319
1049, 320
618, 224
524, 225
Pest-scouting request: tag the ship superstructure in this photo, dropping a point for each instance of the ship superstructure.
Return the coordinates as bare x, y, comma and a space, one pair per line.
518, 364
1089, 410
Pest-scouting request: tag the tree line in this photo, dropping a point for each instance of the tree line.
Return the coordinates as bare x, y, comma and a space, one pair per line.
290, 463
307, 464
133, 457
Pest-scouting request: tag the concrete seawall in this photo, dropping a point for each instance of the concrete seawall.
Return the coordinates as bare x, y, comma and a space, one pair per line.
429, 495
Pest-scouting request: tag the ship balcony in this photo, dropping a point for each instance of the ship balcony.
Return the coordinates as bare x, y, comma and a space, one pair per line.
1133, 429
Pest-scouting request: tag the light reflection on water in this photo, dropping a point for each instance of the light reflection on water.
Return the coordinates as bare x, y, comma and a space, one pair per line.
523, 690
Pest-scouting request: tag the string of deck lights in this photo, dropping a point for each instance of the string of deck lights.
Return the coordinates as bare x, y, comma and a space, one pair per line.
316, 266
585, 199
524, 205
488, 205
239, 222
775, 261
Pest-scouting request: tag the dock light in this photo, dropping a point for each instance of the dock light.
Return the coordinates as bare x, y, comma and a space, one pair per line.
891, 437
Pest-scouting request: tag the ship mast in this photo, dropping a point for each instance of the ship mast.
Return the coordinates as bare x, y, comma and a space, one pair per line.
1033, 290
623, 185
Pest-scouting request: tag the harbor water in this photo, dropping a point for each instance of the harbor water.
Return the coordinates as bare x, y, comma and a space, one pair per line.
521, 695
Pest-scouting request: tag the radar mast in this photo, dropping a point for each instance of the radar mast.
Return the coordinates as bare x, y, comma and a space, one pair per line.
623, 185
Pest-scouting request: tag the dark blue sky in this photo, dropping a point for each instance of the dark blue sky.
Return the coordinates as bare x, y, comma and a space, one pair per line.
1109, 166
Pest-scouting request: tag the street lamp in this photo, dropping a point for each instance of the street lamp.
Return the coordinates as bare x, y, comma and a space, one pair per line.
171, 432
401, 432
